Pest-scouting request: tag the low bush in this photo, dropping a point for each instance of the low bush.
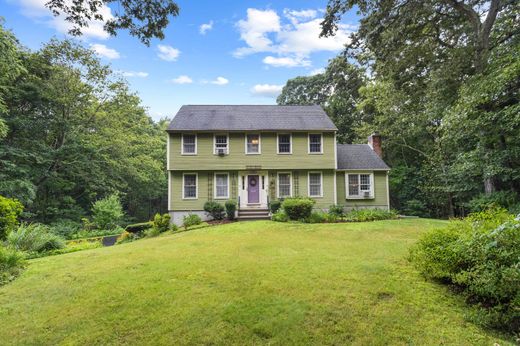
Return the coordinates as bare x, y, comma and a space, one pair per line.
274, 206
231, 207
127, 237
152, 232
480, 255
316, 217
369, 214
280, 216
34, 238
138, 227
501, 199
11, 264
191, 220
337, 210
161, 223
72, 246
66, 228
214, 209
10, 210
107, 212
331, 218
298, 208
96, 233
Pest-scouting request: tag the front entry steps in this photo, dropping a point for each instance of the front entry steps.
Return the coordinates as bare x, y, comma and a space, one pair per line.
253, 214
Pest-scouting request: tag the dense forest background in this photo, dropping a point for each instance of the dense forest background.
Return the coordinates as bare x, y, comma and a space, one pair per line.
71, 133
440, 80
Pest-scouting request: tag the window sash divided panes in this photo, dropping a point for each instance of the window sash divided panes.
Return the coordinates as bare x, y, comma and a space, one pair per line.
315, 143
358, 184
189, 145
252, 144
315, 185
284, 185
221, 142
284, 144
221, 185
190, 186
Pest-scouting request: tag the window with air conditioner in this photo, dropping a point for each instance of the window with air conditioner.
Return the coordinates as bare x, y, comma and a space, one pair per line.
221, 145
360, 185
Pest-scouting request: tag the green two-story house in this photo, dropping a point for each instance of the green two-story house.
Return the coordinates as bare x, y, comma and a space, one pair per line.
256, 154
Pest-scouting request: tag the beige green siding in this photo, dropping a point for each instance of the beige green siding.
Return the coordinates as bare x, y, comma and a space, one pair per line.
380, 199
238, 160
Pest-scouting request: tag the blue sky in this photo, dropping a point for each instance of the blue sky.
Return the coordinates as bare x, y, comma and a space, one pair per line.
215, 52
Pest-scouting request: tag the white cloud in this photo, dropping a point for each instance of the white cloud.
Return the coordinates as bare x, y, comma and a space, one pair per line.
293, 42
317, 71
204, 28
134, 74
286, 61
182, 80
105, 52
168, 53
220, 81
266, 90
35, 9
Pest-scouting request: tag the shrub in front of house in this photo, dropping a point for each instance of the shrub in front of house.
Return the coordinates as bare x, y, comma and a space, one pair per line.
280, 216
479, 255
34, 237
139, 227
337, 210
369, 214
214, 209
274, 206
161, 222
191, 220
298, 208
10, 210
11, 264
231, 207
316, 217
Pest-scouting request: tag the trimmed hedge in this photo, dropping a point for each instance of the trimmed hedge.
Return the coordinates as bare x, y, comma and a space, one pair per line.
138, 227
231, 207
298, 208
214, 209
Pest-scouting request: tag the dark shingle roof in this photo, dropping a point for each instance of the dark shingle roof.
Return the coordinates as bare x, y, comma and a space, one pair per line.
359, 156
251, 117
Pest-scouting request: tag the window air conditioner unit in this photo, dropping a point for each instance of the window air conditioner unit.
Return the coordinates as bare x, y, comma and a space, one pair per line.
366, 194
221, 152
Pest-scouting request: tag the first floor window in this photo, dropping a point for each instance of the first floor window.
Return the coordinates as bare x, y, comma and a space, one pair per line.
284, 185
190, 186
315, 185
359, 185
284, 144
221, 185
221, 144
189, 145
314, 143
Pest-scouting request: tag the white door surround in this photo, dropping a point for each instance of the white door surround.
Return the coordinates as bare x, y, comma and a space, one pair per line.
243, 189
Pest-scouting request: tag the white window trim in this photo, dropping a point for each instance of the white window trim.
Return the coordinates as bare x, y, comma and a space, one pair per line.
348, 196
259, 144
309, 144
278, 184
182, 144
215, 142
196, 185
215, 185
278, 144
309, 184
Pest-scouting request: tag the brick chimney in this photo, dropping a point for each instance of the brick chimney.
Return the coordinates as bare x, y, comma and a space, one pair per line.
374, 140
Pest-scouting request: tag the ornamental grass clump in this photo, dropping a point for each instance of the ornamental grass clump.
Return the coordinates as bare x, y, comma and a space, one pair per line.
34, 237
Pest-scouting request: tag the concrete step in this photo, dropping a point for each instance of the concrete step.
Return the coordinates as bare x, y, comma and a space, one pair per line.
253, 217
253, 212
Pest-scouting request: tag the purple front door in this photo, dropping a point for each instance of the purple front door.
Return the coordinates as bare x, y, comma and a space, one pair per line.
253, 192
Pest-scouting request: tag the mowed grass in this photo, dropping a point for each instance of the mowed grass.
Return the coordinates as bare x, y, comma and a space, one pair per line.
243, 283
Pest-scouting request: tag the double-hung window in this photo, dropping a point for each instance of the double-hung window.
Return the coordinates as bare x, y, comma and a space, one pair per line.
252, 144
315, 146
359, 186
189, 144
284, 185
189, 186
221, 144
284, 143
315, 184
221, 185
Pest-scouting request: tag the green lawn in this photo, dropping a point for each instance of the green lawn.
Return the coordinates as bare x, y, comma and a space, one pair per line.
242, 283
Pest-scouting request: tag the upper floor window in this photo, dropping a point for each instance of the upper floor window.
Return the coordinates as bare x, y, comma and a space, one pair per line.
315, 184
284, 185
189, 186
221, 185
252, 144
284, 144
315, 146
359, 185
221, 144
189, 144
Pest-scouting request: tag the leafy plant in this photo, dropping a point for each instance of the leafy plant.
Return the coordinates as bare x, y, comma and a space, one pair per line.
107, 212
138, 227
337, 210
152, 232
127, 237
280, 216
67, 229
191, 220
502, 199
161, 222
316, 217
214, 209
231, 207
34, 237
298, 208
11, 264
370, 214
10, 210
274, 206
